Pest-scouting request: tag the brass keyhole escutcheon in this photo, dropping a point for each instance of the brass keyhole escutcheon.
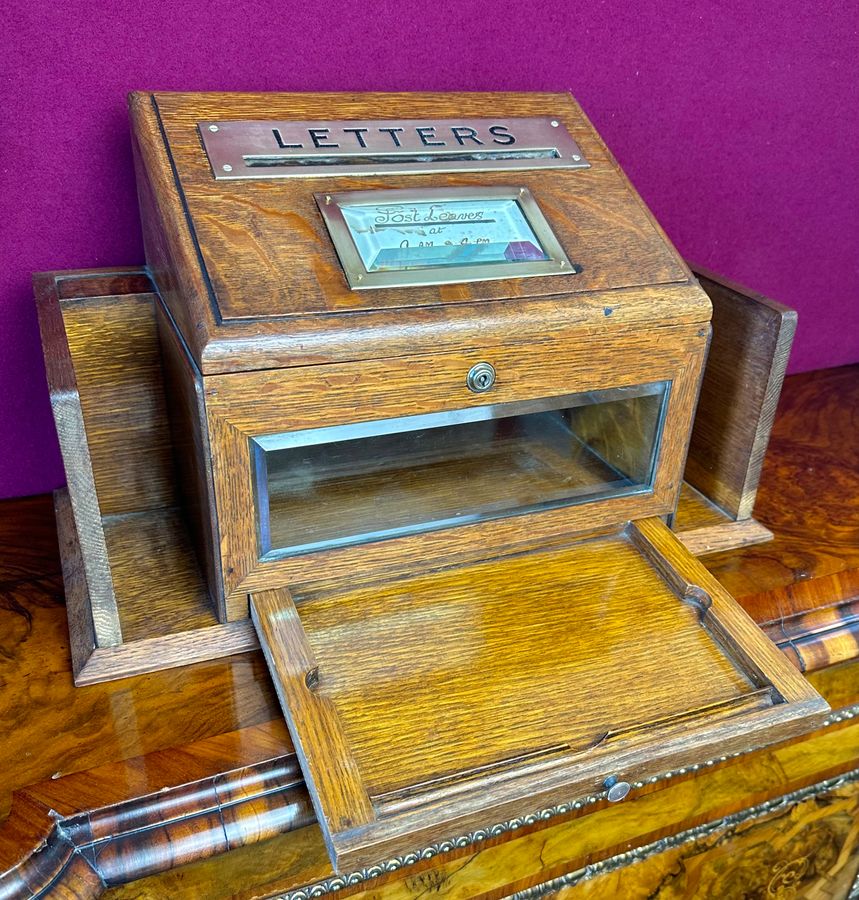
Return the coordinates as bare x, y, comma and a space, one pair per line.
480, 377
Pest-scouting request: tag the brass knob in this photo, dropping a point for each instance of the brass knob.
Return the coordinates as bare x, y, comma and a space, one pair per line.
616, 789
480, 377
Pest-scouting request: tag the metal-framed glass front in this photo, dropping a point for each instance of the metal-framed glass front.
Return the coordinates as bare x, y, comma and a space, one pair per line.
343, 485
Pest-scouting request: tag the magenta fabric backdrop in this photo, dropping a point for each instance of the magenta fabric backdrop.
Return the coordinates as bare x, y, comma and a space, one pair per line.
738, 121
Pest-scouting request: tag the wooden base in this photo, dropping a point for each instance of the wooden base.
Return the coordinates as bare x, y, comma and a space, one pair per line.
705, 528
163, 626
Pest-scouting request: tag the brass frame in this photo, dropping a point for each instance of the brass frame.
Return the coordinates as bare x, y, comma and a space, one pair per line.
359, 278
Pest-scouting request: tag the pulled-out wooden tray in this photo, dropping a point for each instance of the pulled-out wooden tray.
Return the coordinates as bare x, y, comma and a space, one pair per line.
423, 706
136, 595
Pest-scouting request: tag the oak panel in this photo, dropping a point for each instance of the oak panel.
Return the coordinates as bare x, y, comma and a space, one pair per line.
143, 546
593, 212
499, 717
705, 528
245, 405
251, 278
752, 337
91, 565
183, 386
113, 344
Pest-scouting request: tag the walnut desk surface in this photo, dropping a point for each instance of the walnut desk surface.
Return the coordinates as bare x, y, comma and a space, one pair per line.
137, 788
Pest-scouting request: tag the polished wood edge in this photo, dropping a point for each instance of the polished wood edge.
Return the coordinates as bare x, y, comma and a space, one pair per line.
168, 651
336, 786
724, 616
775, 379
171, 247
107, 281
90, 851
823, 649
820, 634
94, 569
104, 284
93, 662
735, 287
726, 536
83, 640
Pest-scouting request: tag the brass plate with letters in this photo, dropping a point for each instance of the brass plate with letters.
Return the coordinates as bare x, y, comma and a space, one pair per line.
402, 238
289, 149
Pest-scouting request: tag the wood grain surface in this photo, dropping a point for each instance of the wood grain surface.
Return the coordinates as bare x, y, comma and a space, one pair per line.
114, 350
92, 564
594, 210
129, 739
183, 387
152, 607
752, 337
705, 528
530, 635
501, 714
804, 848
299, 307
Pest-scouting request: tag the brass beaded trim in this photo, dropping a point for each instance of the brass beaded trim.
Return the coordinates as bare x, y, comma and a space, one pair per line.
667, 843
338, 882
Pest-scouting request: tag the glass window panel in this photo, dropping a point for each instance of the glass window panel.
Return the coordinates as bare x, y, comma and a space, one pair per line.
347, 484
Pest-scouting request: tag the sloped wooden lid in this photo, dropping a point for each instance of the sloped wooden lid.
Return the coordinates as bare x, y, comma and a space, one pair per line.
239, 258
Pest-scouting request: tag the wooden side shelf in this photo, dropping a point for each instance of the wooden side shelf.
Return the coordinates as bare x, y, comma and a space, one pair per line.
136, 595
752, 337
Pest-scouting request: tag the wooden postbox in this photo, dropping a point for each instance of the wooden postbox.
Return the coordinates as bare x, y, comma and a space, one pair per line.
431, 368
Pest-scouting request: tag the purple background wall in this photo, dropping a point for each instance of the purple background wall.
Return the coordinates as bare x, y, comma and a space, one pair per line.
737, 120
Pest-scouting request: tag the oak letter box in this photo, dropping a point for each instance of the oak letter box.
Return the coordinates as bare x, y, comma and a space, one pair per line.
432, 368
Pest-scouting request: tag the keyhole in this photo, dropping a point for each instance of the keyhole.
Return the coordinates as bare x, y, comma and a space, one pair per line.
480, 378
